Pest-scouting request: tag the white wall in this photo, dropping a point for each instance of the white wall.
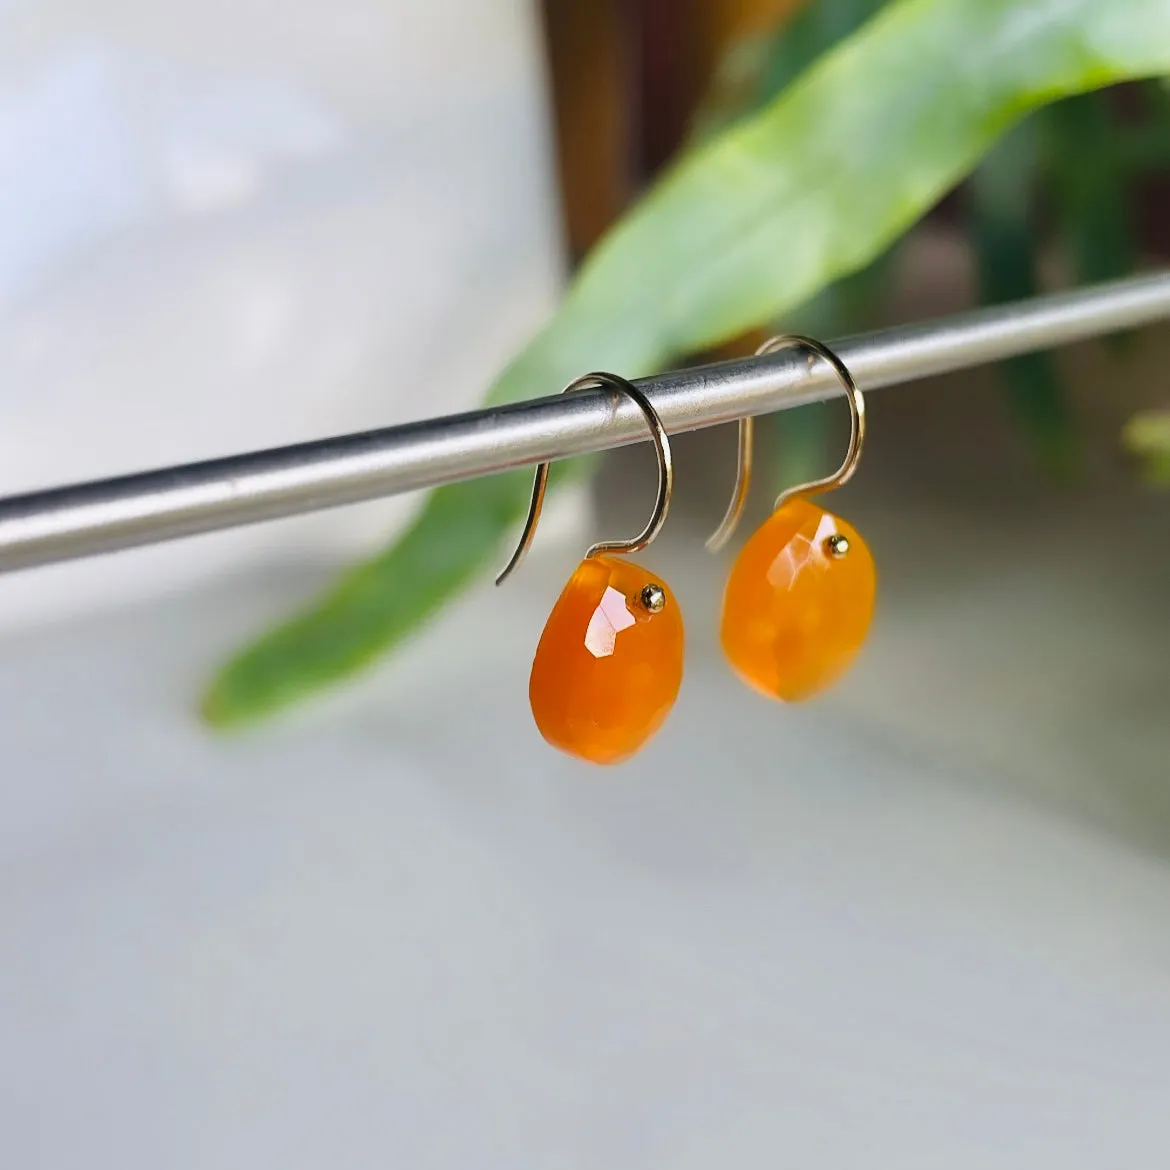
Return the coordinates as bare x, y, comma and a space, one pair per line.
232, 225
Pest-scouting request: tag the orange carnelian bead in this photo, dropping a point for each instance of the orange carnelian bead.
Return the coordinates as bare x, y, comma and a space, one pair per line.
608, 668
798, 605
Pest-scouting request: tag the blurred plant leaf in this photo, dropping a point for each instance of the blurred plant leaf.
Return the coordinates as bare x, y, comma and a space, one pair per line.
759, 67
1091, 200
742, 229
1000, 197
1147, 436
1146, 147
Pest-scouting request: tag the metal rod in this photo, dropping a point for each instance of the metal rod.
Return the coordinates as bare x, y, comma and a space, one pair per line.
89, 518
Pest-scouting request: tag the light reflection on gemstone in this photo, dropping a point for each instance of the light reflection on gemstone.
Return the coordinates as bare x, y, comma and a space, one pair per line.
801, 553
611, 616
826, 528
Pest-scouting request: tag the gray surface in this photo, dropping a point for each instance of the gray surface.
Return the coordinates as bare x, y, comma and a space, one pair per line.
397, 929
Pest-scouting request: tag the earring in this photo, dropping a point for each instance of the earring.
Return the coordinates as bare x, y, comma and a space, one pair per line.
800, 595
609, 663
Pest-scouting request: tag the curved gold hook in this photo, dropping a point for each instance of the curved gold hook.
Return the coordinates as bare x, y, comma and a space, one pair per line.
841, 476
665, 479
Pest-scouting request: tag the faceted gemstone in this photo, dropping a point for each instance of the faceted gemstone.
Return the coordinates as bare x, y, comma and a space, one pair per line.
609, 663
798, 602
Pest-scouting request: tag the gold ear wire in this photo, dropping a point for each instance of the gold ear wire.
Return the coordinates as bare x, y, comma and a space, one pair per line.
665, 479
841, 476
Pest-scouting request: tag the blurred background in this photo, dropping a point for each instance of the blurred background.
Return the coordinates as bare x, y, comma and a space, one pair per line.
921, 920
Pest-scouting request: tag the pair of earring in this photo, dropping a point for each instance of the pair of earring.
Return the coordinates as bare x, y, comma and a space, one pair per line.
796, 609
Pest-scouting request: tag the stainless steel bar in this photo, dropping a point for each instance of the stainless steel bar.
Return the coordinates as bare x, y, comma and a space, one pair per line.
89, 518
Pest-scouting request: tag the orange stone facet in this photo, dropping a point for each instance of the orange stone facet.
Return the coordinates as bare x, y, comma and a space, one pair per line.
794, 614
607, 670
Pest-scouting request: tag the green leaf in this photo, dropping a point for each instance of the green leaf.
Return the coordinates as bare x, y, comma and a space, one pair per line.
750, 225
759, 67
1092, 202
1147, 436
1000, 198
813, 31
454, 534
1146, 147
1157, 471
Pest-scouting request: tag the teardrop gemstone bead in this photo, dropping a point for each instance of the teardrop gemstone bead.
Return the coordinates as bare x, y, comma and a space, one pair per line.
798, 602
610, 661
